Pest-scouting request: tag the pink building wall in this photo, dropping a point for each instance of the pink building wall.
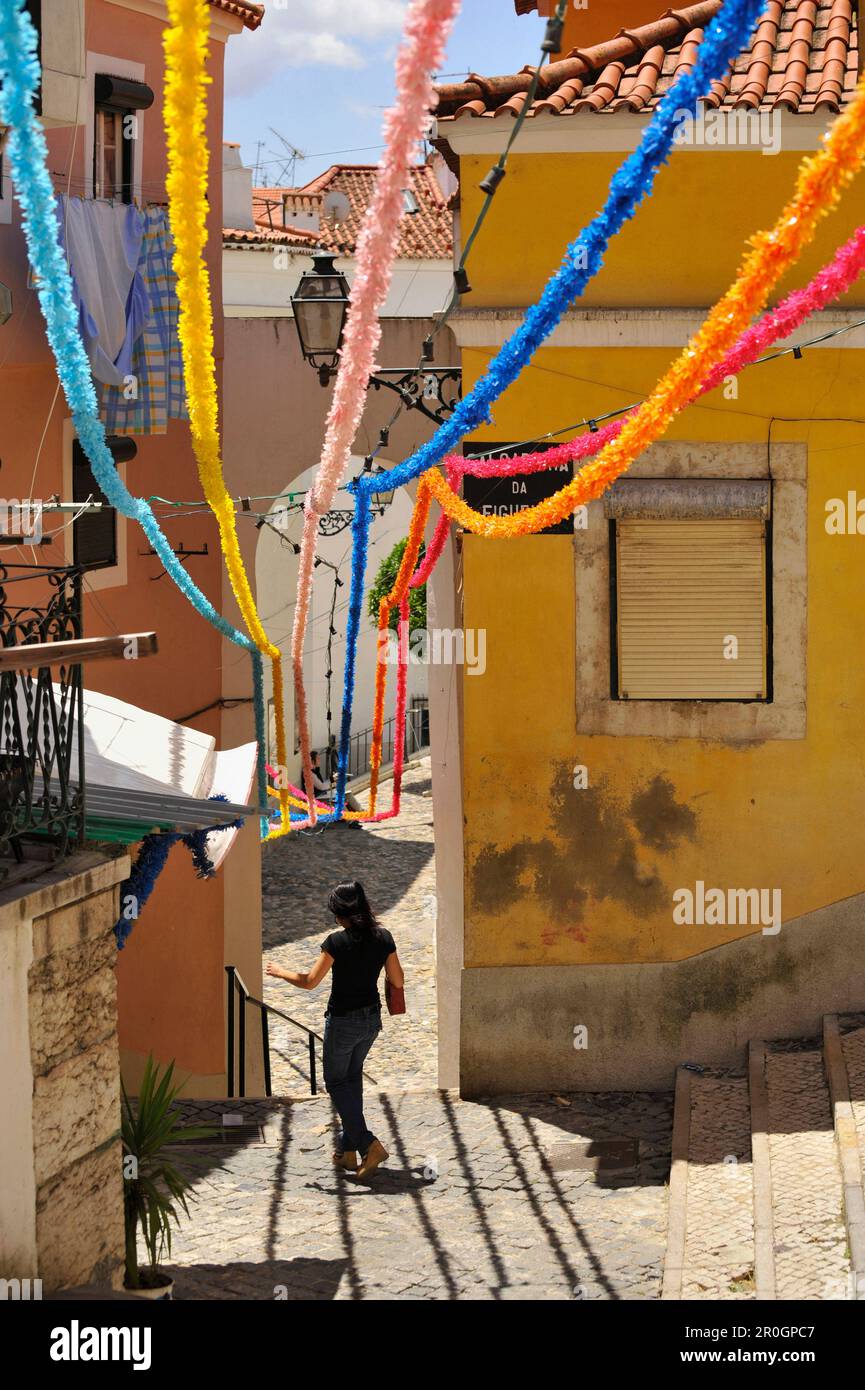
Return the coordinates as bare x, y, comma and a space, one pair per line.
170, 975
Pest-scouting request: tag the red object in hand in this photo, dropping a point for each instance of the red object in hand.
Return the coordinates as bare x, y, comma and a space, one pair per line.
394, 998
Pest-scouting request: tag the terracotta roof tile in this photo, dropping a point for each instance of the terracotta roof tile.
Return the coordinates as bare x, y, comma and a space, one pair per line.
260, 238
424, 235
251, 13
804, 57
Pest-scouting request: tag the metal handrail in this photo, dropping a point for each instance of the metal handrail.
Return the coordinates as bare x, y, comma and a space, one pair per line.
361, 742
236, 985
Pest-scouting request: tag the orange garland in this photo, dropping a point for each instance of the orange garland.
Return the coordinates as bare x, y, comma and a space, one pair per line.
401, 586
821, 180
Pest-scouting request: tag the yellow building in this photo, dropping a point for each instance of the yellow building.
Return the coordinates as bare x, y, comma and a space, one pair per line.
649, 805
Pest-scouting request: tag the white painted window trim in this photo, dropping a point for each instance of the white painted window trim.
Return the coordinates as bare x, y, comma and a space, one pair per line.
115, 67
112, 576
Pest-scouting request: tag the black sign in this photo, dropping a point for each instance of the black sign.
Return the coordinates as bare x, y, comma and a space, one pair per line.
506, 496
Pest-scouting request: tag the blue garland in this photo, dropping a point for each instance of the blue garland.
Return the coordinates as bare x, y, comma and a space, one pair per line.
724, 38
151, 860
20, 75
359, 552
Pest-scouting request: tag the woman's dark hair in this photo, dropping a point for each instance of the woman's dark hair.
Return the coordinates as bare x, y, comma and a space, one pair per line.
349, 901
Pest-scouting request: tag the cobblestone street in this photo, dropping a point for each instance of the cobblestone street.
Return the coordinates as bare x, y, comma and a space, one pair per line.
491, 1199
394, 861
479, 1200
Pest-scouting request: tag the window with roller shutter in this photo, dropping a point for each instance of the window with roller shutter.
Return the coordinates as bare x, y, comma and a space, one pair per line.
691, 610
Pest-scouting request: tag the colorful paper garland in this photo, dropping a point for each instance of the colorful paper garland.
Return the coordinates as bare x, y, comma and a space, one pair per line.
722, 42
830, 282
821, 180
184, 116
427, 24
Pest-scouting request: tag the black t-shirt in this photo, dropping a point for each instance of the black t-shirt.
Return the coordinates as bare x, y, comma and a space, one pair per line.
358, 957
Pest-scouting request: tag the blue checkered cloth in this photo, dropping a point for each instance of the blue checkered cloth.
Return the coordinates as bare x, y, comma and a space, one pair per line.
157, 363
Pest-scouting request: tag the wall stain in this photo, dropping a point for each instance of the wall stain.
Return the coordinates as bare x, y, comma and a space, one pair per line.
660, 819
593, 852
724, 981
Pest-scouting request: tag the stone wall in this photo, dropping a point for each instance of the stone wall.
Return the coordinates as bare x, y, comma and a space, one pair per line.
61, 1215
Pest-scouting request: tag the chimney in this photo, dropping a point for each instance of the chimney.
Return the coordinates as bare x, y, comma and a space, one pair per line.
236, 189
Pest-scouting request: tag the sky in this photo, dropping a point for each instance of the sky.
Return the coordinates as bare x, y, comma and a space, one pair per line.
321, 73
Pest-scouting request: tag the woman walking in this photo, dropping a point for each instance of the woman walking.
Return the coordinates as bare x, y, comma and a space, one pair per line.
356, 953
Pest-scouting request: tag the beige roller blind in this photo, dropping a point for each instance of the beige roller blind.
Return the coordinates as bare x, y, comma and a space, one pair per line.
687, 593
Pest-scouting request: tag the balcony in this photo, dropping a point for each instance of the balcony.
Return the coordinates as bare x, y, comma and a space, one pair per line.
41, 729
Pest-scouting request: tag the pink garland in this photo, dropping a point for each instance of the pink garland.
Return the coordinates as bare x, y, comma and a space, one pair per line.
427, 26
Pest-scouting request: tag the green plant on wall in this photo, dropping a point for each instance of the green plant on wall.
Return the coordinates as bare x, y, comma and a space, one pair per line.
384, 582
153, 1185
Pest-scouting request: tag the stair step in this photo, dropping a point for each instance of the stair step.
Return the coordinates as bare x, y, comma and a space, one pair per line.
710, 1252
810, 1253
719, 1241
844, 1054
853, 1048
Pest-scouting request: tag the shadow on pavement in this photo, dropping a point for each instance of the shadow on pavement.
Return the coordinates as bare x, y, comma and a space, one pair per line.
271, 1281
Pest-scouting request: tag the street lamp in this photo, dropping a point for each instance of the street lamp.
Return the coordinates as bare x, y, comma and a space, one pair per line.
384, 498
320, 305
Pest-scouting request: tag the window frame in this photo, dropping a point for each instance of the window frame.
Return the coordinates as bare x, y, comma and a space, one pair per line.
99, 65
615, 636
80, 460
124, 148
785, 466
99, 576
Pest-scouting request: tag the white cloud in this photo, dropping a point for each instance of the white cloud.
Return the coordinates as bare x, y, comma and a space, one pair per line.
362, 19
309, 33
309, 50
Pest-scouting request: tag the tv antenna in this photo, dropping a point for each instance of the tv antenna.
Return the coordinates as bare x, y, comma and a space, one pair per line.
288, 160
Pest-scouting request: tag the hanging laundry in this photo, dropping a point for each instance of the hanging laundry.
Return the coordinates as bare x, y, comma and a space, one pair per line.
103, 244
154, 393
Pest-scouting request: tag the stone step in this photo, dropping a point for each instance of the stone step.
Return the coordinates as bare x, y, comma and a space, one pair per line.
719, 1249
767, 1186
809, 1250
844, 1052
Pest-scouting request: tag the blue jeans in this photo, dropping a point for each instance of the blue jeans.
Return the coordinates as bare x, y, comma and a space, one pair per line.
347, 1041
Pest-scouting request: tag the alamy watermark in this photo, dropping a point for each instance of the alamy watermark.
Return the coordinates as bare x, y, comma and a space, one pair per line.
20, 1290
730, 129
438, 646
21, 517
730, 907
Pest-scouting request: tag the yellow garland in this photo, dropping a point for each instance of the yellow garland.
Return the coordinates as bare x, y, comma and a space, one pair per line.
820, 182
184, 113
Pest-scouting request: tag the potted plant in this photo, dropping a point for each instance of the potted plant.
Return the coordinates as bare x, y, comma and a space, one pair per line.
153, 1186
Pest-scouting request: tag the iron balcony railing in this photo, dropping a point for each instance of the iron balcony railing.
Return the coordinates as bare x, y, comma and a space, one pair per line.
41, 715
416, 738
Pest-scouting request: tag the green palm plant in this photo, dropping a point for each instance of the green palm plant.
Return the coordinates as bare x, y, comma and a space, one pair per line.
154, 1188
